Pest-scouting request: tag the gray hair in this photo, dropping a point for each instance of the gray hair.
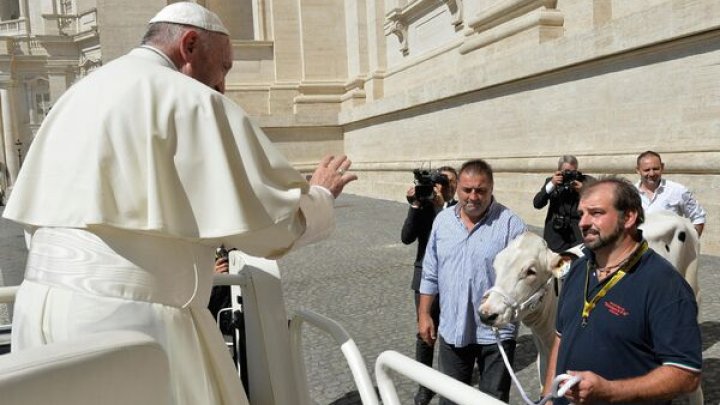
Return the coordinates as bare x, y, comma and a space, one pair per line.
163, 33
569, 159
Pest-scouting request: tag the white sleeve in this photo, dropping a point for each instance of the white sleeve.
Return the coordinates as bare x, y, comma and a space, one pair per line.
692, 209
549, 187
317, 206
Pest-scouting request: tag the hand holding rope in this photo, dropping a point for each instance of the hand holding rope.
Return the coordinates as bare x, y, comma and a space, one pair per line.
556, 391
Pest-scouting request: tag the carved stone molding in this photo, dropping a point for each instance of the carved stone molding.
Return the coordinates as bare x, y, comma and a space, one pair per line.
399, 18
87, 65
509, 17
399, 28
456, 11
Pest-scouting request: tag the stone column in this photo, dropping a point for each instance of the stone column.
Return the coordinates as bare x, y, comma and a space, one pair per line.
23, 6
10, 133
3, 162
356, 42
259, 29
287, 47
30, 100
323, 40
377, 59
288, 56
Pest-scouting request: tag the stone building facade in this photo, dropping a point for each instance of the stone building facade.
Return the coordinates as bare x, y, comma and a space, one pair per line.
397, 84
45, 46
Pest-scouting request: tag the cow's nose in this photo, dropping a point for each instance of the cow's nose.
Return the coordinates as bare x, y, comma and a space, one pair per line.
488, 319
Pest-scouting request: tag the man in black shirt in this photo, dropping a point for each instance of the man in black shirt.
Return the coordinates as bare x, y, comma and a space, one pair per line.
417, 226
626, 319
562, 192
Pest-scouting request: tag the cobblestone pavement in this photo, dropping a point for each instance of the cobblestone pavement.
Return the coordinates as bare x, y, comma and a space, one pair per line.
360, 277
12, 259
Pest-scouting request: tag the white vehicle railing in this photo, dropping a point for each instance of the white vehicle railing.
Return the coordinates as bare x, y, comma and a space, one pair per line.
7, 294
363, 382
442, 384
271, 341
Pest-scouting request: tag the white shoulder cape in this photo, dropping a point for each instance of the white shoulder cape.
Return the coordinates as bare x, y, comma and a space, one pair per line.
138, 146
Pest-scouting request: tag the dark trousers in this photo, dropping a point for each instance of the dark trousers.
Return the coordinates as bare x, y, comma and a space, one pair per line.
458, 363
424, 352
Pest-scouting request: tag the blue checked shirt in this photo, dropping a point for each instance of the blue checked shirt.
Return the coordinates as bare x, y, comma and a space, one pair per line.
458, 266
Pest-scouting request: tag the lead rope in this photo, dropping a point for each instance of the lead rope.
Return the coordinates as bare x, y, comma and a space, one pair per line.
569, 380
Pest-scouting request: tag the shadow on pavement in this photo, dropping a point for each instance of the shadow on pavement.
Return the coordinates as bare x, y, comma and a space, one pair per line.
525, 353
350, 398
710, 333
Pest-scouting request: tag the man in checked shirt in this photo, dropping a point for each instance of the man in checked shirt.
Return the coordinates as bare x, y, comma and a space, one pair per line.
458, 266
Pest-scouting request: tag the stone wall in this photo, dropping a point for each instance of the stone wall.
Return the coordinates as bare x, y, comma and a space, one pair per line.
400, 83
615, 81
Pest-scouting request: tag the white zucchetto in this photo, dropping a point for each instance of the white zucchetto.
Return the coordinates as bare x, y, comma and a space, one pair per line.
188, 13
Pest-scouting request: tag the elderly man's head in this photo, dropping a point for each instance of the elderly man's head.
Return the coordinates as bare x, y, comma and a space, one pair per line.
567, 162
195, 40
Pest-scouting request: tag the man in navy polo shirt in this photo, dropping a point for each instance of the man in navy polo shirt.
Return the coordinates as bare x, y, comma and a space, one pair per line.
626, 321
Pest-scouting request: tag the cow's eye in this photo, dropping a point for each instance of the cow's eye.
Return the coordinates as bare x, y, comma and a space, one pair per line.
530, 272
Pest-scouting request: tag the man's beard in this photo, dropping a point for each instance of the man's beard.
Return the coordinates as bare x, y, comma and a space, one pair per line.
652, 182
607, 240
474, 209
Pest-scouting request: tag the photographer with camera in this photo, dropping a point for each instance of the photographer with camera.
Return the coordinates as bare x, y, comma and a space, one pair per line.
562, 190
432, 192
220, 295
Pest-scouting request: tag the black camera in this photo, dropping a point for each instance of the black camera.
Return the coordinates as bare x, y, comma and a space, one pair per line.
570, 176
222, 252
560, 222
425, 181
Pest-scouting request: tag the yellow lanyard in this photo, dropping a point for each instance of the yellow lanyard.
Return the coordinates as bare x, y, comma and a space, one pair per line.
589, 306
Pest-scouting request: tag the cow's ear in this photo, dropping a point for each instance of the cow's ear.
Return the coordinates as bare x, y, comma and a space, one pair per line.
558, 264
554, 260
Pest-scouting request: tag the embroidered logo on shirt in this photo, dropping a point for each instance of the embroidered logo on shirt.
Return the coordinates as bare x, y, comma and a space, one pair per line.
615, 309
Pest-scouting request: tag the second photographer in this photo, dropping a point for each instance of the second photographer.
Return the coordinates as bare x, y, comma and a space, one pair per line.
562, 192
433, 191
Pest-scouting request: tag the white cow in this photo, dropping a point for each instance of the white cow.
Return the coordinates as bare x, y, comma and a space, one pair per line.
526, 271
525, 274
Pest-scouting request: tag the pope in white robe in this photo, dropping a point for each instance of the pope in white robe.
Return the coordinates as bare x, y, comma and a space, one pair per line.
134, 178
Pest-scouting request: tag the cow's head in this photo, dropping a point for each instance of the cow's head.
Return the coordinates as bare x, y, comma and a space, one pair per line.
523, 272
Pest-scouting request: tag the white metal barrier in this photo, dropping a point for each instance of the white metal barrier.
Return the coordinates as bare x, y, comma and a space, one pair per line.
270, 380
268, 335
271, 341
7, 294
355, 361
442, 384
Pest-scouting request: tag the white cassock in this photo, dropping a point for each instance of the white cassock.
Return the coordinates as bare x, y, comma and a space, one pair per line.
136, 175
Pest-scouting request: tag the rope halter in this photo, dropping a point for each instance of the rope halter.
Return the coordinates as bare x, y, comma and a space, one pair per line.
529, 305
